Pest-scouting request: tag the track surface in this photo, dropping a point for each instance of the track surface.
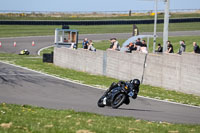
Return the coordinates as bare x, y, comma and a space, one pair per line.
44, 41
20, 86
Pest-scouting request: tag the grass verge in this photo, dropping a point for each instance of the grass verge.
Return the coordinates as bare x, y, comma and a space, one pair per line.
44, 30
97, 80
28, 119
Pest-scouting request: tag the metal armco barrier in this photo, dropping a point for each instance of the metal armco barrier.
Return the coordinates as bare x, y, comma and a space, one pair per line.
98, 22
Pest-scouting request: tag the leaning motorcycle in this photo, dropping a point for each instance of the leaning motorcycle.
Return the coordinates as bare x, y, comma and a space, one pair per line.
117, 96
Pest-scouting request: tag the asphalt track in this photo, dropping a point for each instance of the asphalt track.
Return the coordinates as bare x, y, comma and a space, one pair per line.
22, 86
44, 41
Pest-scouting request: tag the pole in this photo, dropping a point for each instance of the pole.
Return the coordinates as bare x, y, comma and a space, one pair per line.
155, 23
148, 44
166, 25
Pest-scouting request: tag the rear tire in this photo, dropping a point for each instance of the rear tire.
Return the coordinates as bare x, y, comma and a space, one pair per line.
118, 100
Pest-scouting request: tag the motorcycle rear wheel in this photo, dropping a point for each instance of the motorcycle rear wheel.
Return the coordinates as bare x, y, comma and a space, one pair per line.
118, 100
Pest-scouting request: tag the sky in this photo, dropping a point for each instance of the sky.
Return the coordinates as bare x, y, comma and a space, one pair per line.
93, 5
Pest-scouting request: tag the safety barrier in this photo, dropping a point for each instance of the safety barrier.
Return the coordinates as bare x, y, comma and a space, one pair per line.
171, 71
97, 22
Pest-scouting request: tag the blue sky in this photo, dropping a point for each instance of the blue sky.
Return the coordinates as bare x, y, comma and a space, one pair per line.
93, 5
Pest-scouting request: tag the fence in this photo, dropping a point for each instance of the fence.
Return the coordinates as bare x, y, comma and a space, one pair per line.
180, 73
97, 22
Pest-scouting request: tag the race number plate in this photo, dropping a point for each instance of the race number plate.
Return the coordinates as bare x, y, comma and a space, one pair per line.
104, 101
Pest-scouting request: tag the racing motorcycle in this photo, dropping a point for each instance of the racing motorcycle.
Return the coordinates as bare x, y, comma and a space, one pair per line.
117, 96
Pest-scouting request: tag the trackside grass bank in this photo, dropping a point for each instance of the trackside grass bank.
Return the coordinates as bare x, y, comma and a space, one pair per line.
96, 80
28, 119
44, 30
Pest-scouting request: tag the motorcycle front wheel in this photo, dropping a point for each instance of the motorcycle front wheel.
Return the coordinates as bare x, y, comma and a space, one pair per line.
118, 100
100, 102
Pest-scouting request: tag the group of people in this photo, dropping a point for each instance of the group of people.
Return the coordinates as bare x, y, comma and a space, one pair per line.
137, 46
141, 46
88, 45
182, 48
170, 48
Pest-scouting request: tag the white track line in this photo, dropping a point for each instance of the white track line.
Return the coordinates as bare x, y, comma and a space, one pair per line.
39, 51
32, 75
93, 86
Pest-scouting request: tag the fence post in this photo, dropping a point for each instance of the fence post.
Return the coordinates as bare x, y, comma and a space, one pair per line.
104, 62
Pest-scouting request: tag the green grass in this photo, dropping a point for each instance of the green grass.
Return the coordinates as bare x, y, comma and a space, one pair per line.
44, 30
28, 119
97, 80
47, 50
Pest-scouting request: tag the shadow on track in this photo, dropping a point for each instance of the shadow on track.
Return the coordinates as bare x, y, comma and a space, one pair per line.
138, 110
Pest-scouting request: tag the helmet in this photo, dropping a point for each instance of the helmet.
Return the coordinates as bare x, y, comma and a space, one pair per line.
135, 82
25, 50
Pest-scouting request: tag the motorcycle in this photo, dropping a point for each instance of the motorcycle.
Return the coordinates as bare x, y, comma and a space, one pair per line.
117, 96
24, 52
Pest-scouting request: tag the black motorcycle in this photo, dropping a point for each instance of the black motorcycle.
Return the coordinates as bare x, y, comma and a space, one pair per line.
117, 96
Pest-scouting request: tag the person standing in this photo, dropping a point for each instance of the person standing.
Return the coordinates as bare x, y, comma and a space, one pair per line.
170, 48
196, 48
143, 47
182, 47
85, 43
138, 44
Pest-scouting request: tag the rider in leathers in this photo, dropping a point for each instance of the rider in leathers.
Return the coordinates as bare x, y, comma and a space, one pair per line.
132, 84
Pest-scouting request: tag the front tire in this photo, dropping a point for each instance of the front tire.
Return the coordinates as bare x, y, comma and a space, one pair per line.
100, 102
118, 100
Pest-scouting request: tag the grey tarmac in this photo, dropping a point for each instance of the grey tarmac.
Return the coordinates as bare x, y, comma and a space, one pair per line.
21, 86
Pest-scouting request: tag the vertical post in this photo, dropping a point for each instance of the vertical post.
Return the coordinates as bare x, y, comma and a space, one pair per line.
155, 23
104, 62
129, 13
56, 36
166, 25
148, 44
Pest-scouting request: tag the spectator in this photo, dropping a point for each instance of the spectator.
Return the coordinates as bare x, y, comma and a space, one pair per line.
143, 47
143, 43
169, 47
91, 47
196, 48
138, 44
114, 44
85, 43
182, 47
131, 47
160, 48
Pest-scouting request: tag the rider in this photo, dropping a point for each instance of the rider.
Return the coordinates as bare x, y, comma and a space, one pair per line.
24, 52
132, 84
